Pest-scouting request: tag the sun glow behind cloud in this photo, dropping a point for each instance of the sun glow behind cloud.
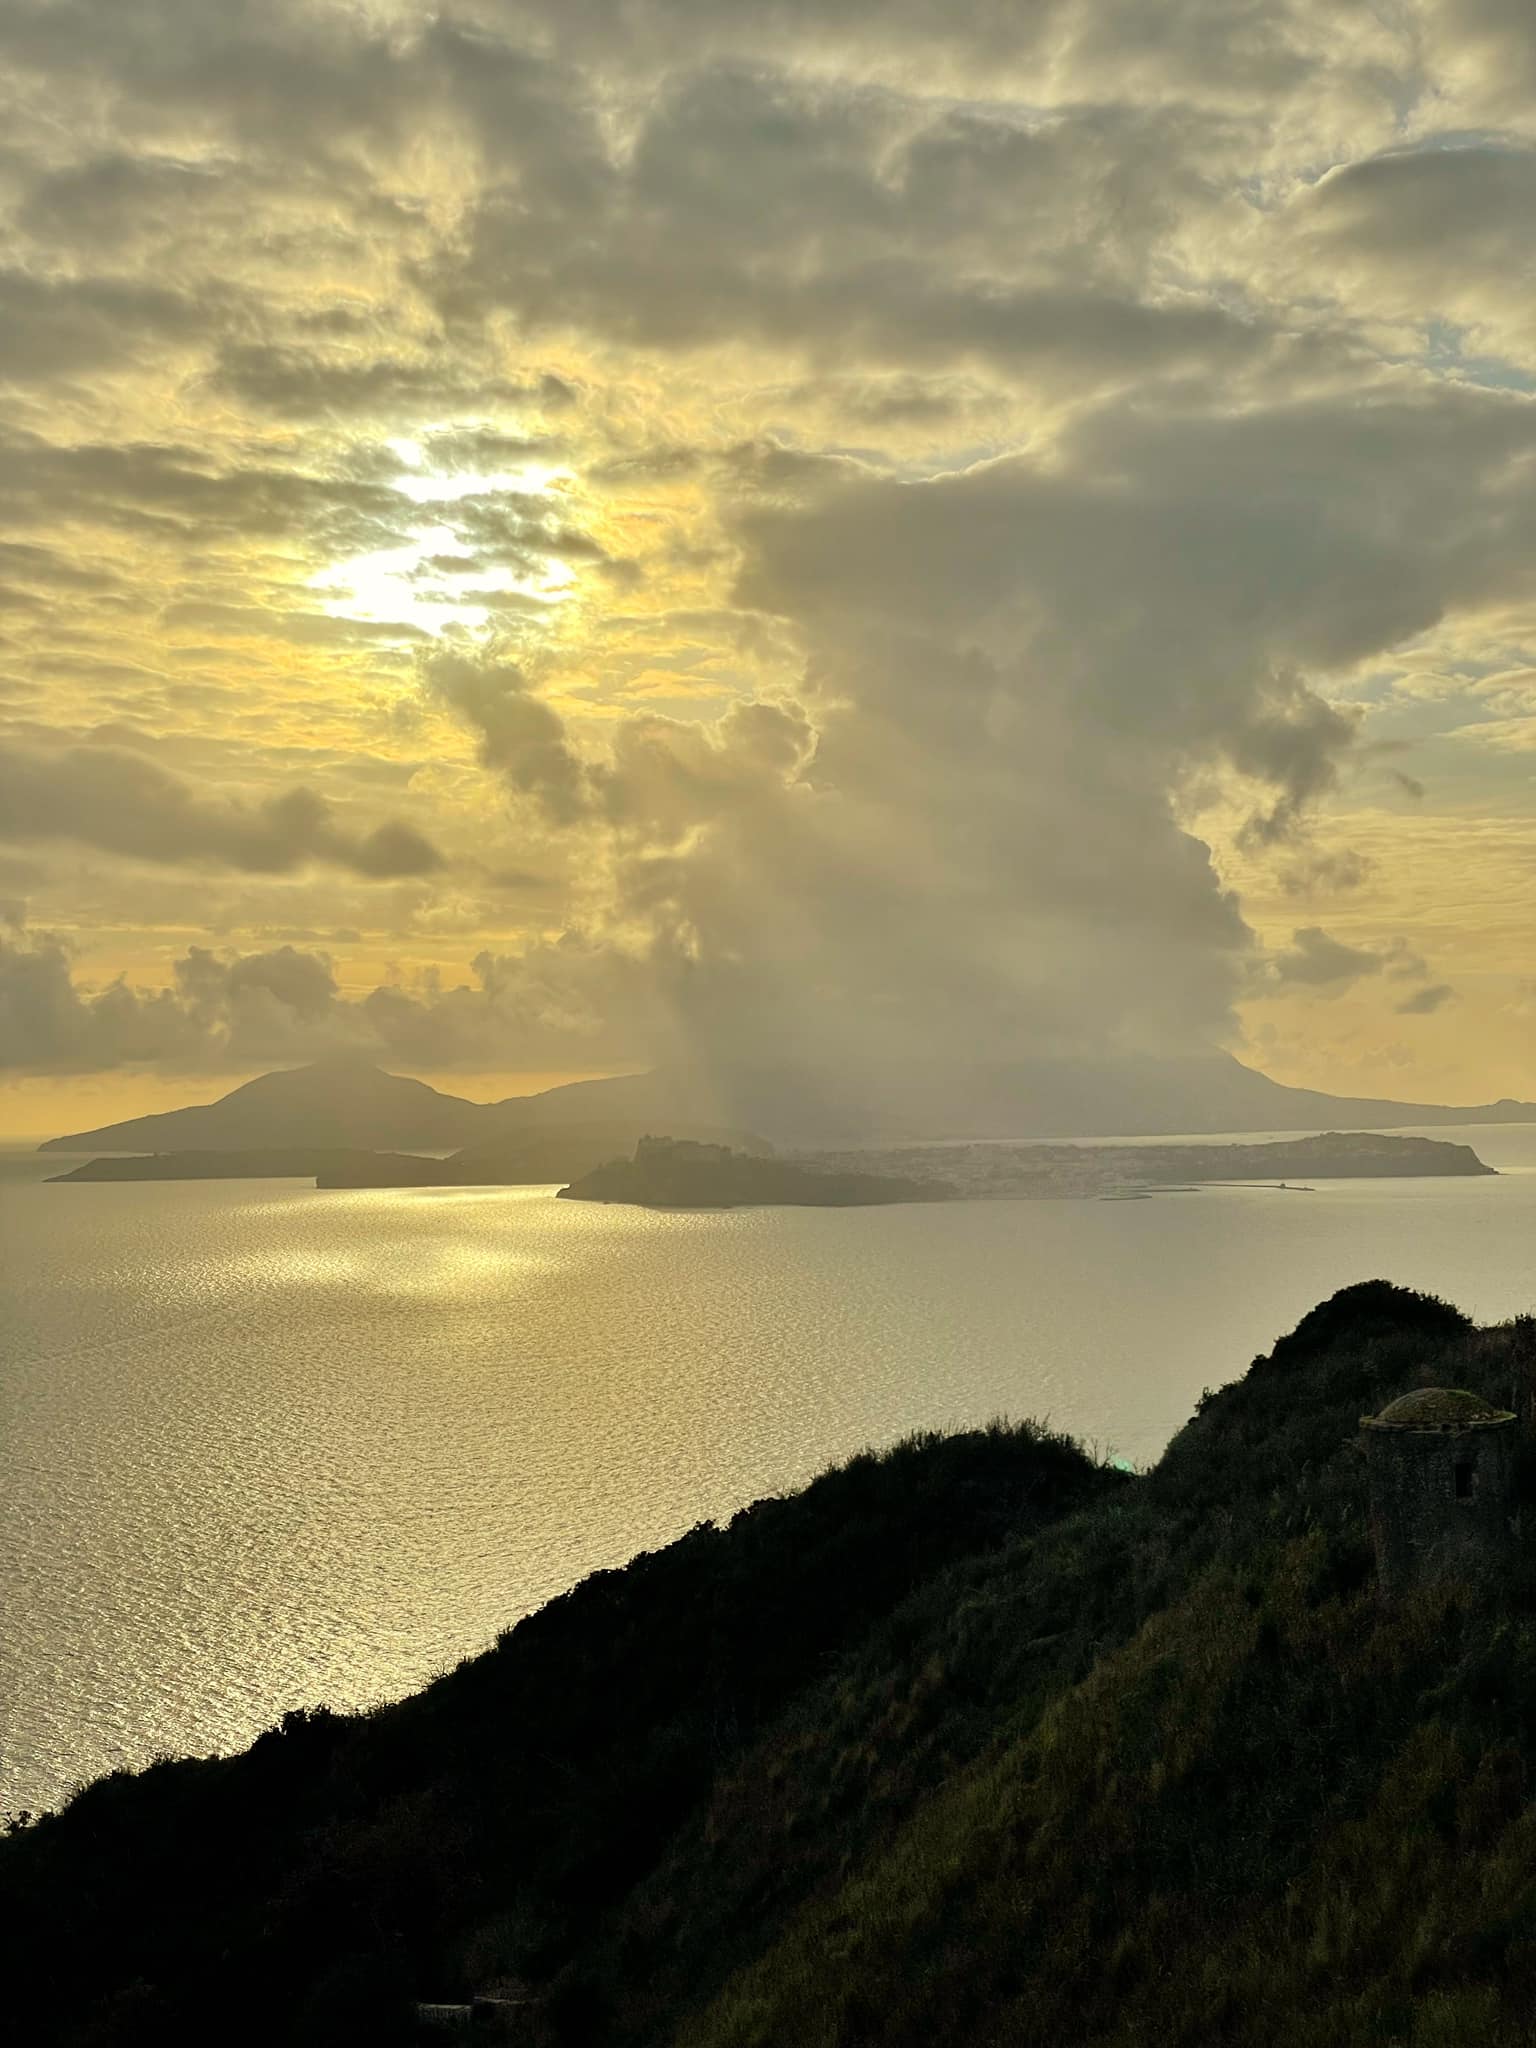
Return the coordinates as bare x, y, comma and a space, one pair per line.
435, 581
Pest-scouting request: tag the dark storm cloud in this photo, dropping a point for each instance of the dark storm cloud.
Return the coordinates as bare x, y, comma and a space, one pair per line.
123, 803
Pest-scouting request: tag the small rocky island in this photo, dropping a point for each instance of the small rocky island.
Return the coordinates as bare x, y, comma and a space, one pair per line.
680, 1173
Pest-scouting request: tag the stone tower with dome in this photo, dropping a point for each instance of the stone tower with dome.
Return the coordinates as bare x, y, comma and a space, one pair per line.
1442, 1482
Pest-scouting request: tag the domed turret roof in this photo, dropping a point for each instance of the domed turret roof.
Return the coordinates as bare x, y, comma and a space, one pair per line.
1438, 1408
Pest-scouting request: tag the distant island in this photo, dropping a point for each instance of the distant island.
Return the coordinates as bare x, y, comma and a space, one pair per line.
679, 1173
347, 1103
728, 1170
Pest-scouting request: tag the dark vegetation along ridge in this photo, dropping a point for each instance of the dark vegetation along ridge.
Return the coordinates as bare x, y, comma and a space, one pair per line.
977, 1741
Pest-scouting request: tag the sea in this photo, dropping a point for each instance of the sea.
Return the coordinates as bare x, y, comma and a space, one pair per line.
264, 1446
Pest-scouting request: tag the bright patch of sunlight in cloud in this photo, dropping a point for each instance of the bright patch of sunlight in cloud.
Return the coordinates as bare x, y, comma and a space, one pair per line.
432, 582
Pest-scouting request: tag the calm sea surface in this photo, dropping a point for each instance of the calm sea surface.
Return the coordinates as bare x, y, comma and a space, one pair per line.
263, 1446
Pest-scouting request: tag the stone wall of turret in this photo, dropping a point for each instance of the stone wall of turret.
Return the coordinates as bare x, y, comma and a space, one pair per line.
1442, 1503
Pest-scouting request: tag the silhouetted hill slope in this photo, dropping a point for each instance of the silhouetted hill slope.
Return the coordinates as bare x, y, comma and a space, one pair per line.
340, 1102
973, 1743
347, 1860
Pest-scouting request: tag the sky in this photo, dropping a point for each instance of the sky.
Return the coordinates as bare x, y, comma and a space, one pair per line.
538, 539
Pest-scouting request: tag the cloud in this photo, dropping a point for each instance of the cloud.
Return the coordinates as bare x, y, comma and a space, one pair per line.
1318, 962
1402, 963
170, 491
984, 429
1441, 234
520, 736
125, 803
1009, 674
60, 326
758, 203
1319, 869
48, 1025
660, 778
1470, 207
229, 1011
1425, 1001
1315, 960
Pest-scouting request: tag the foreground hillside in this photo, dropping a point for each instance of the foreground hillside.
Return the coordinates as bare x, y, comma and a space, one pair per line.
975, 1742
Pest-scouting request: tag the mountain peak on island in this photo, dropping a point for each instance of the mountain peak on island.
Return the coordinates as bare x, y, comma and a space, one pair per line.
341, 1100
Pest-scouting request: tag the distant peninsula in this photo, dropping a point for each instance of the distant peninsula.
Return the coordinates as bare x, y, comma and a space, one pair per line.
678, 1173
